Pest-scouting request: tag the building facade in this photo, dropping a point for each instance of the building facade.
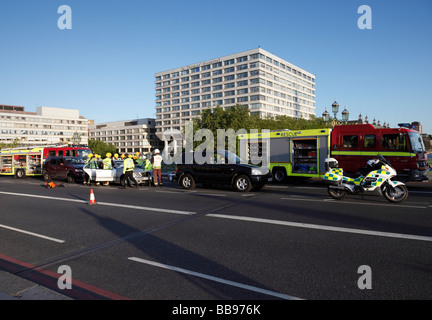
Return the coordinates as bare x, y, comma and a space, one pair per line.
44, 127
128, 136
265, 83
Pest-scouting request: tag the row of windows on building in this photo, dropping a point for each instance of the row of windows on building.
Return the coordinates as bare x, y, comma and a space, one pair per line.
43, 120
35, 133
121, 131
123, 138
175, 85
283, 101
41, 126
228, 62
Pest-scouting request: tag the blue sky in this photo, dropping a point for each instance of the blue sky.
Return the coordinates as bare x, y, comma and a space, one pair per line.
105, 65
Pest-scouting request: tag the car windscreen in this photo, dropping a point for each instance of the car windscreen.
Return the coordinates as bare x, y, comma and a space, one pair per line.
74, 161
229, 157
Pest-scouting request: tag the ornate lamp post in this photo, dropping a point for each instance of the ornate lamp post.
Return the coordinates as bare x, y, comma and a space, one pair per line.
76, 139
326, 115
335, 108
345, 115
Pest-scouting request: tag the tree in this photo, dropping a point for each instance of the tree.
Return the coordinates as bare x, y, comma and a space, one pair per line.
101, 148
239, 117
16, 143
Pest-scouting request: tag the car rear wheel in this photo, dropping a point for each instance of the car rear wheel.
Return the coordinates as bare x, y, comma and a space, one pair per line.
242, 183
46, 176
187, 181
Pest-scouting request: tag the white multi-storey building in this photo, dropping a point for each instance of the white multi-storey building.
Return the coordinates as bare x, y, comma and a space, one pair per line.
45, 126
265, 83
128, 136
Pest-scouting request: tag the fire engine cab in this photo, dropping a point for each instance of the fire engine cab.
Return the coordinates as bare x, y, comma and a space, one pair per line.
302, 153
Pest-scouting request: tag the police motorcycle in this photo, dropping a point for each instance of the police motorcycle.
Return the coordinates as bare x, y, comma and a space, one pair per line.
376, 177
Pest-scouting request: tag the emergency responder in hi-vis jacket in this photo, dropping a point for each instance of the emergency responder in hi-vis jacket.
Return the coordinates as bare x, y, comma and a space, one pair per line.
128, 170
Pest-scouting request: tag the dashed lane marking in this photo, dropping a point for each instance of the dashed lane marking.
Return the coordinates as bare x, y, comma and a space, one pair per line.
325, 228
357, 203
31, 233
216, 279
102, 203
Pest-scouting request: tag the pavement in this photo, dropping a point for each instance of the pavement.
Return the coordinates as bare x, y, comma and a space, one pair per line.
13, 287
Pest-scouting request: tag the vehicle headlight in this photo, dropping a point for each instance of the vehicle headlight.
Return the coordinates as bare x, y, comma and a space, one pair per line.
256, 172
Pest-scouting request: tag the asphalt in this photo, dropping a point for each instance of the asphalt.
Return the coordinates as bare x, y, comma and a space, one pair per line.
13, 287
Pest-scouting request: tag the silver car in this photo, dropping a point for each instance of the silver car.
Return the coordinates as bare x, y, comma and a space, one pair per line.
96, 173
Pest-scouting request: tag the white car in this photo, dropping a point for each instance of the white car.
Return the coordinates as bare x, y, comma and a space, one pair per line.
97, 174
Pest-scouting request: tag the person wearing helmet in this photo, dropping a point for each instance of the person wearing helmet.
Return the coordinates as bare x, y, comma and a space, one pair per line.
128, 170
116, 156
157, 168
138, 160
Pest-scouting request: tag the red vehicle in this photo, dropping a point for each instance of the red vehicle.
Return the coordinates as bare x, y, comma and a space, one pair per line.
27, 161
80, 152
353, 145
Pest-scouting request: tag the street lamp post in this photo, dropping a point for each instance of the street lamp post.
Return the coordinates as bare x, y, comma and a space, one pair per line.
335, 108
326, 115
345, 115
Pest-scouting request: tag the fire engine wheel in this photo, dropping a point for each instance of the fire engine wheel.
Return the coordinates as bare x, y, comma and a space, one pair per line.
20, 173
279, 175
337, 194
396, 194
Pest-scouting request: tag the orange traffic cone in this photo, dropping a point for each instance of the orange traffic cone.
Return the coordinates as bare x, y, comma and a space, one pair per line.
92, 197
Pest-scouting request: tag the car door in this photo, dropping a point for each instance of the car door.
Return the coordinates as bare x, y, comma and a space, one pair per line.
219, 171
53, 168
62, 168
200, 168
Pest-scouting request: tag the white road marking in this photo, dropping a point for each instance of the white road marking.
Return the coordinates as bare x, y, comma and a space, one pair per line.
145, 208
211, 194
360, 203
251, 219
325, 228
216, 279
32, 234
276, 187
102, 203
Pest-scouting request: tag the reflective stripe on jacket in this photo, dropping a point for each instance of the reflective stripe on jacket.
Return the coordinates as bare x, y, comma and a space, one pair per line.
107, 164
128, 165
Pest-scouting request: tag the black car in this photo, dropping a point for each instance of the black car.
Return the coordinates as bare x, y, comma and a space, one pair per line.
220, 167
64, 168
